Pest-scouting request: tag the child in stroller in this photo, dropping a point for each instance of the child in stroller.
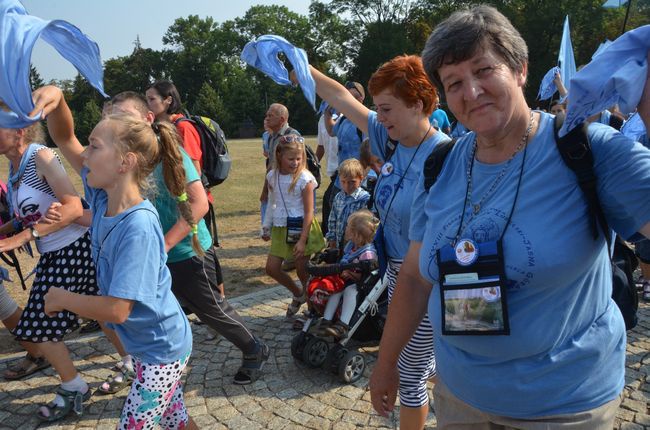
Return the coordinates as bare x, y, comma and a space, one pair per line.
354, 281
359, 233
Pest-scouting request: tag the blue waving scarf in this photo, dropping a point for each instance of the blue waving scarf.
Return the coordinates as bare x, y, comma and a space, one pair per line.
634, 127
547, 88
616, 75
18, 34
565, 59
263, 55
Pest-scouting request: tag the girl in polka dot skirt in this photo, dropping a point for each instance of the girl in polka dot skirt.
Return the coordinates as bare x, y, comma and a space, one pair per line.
36, 180
129, 251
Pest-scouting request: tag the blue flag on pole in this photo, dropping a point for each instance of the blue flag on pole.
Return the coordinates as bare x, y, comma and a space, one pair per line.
612, 4
18, 34
615, 76
565, 60
263, 55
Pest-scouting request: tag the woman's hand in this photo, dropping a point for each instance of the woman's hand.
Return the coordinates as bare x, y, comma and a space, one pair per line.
299, 248
384, 381
266, 234
46, 99
15, 241
54, 300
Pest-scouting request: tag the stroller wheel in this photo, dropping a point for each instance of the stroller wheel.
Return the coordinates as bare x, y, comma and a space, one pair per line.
351, 367
298, 344
334, 357
315, 351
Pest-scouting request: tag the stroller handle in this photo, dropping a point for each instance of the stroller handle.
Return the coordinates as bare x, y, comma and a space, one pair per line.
365, 266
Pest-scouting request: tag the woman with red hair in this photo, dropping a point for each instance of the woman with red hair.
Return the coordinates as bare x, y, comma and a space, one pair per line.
401, 135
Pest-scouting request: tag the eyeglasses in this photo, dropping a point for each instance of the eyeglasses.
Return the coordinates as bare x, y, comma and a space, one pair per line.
291, 139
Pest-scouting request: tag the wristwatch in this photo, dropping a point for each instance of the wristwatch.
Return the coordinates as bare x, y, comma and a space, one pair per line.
35, 234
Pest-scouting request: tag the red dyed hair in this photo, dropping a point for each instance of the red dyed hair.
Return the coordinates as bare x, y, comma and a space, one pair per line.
404, 76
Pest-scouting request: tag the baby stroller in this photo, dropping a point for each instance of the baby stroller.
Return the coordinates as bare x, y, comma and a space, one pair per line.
367, 322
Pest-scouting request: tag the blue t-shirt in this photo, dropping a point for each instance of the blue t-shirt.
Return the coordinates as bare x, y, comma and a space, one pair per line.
566, 350
129, 253
396, 221
441, 119
349, 142
167, 208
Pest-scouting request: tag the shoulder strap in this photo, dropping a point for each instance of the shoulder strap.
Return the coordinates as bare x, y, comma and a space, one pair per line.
434, 162
575, 150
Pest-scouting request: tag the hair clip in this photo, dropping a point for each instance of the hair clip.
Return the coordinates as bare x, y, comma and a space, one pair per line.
195, 229
156, 127
182, 198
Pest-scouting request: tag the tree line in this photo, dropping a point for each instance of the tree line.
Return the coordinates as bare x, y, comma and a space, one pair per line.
348, 39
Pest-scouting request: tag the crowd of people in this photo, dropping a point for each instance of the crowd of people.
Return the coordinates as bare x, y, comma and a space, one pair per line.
501, 222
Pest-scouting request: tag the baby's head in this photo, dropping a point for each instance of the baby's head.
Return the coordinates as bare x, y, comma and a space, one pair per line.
368, 159
361, 227
351, 173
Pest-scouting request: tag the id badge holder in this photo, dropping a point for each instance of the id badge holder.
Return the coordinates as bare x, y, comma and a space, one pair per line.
473, 289
294, 229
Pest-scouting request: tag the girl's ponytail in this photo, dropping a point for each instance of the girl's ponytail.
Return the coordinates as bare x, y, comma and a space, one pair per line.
174, 176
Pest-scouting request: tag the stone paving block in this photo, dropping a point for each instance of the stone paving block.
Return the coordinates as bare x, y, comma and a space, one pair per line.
634, 405
642, 419
224, 413
318, 423
241, 422
631, 426
356, 418
343, 426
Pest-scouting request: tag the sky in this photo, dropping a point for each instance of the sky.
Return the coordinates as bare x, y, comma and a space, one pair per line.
115, 24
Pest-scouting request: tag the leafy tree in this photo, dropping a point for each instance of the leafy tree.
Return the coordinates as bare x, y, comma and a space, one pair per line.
35, 80
85, 120
209, 103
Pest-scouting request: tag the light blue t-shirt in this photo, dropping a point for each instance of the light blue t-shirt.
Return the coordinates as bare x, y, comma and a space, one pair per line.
129, 253
441, 119
396, 221
349, 142
566, 350
167, 208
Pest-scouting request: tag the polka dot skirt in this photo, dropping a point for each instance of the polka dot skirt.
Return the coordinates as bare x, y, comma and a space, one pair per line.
70, 268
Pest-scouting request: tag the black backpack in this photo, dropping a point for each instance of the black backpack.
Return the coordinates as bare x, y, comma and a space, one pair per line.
575, 150
215, 159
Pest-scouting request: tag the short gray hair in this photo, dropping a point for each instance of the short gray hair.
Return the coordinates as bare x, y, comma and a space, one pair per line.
460, 36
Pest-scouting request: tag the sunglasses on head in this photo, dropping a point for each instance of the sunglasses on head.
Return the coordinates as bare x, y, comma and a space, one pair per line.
291, 139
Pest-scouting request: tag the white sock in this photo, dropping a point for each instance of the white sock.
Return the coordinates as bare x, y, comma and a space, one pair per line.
76, 384
127, 361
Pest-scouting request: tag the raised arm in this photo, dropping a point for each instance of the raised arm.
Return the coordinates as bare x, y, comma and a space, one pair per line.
60, 123
337, 96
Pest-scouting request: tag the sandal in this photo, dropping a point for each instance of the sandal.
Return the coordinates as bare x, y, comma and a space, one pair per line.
646, 291
295, 304
252, 365
73, 402
338, 330
25, 367
112, 385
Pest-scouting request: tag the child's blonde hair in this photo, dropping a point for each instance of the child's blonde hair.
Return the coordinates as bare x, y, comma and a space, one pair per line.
152, 144
351, 168
289, 143
363, 223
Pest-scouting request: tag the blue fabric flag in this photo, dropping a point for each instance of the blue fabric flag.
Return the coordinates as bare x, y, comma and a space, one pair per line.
18, 34
601, 48
547, 88
612, 4
263, 55
617, 75
565, 60
634, 127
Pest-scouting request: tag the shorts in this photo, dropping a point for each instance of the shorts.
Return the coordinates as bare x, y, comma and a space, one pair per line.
280, 247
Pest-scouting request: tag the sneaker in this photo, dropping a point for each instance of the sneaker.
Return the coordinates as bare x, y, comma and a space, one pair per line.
252, 365
646, 291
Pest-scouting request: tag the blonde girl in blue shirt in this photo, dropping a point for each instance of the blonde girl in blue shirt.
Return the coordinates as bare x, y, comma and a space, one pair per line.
129, 252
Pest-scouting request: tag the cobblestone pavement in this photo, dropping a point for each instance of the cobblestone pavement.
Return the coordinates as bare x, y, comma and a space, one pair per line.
290, 395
